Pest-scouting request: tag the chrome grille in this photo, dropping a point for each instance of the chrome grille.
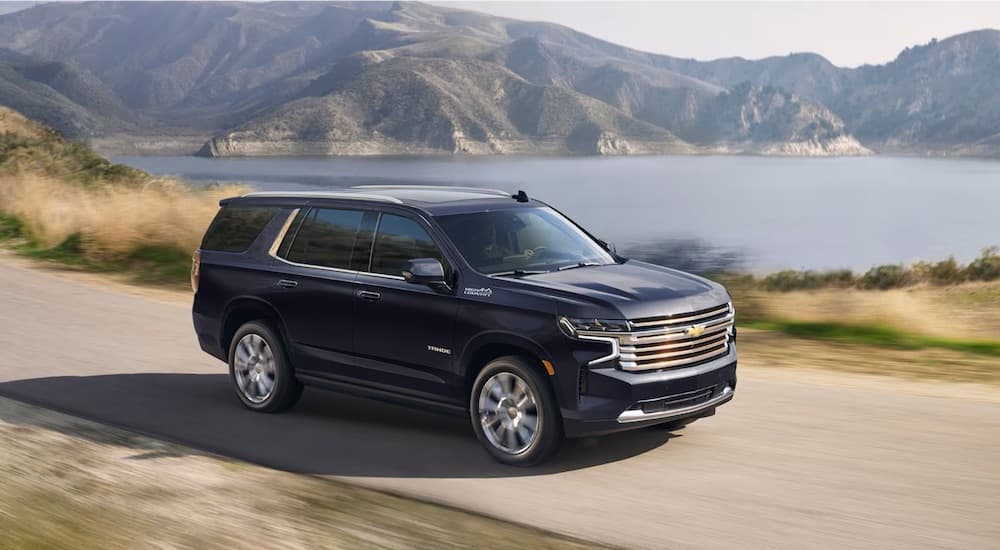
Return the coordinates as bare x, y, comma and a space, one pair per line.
676, 340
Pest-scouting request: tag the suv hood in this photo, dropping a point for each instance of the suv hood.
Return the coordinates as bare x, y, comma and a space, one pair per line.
635, 289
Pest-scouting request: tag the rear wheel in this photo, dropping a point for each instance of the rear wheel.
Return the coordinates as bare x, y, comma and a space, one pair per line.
262, 377
514, 413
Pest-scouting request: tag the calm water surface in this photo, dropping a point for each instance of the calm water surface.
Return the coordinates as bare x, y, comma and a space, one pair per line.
777, 212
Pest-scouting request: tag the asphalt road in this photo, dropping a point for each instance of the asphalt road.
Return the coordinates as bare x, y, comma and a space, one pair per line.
788, 464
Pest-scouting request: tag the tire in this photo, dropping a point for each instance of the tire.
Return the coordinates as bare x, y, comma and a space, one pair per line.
262, 377
508, 397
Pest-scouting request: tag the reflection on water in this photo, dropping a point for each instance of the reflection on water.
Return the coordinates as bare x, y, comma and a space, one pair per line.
691, 255
774, 213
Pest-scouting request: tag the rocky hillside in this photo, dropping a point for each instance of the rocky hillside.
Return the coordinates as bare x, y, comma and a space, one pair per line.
428, 105
60, 95
397, 78
940, 97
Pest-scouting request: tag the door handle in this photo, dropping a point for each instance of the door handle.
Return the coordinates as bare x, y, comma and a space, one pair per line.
369, 295
285, 283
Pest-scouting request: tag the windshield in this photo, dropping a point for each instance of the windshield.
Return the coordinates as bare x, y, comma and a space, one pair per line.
522, 240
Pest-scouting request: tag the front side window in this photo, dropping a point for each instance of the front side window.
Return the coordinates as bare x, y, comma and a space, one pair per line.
399, 239
522, 239
325, 238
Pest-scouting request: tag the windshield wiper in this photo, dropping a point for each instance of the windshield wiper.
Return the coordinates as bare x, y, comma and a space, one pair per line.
579, 264
516, 273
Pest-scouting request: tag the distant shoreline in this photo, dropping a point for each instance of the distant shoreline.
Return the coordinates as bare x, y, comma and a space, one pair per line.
119, 152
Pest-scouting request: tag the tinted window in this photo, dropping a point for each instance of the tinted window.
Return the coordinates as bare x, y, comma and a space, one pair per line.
400, 239
325, 238
236, 227
529, 239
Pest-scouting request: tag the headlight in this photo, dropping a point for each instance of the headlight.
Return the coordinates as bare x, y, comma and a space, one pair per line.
571, 325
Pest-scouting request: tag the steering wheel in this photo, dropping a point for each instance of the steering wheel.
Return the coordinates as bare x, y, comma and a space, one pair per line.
537, 251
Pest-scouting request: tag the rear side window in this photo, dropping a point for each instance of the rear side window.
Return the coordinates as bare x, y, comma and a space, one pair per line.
399, 239
325, 238
235, 228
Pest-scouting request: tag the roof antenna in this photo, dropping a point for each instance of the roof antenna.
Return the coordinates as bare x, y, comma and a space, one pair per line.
521, 196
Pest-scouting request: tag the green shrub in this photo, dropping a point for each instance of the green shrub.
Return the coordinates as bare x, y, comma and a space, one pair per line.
986, 267
10, 227
59, 157
884, 277
946, 272
783, 281
839, 278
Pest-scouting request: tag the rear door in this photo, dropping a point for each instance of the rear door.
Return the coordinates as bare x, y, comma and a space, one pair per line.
314, 284
404, 332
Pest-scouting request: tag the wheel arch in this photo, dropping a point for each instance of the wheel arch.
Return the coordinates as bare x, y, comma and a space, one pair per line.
489, 346
244, 309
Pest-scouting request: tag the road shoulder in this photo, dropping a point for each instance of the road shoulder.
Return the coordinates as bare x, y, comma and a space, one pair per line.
71, 483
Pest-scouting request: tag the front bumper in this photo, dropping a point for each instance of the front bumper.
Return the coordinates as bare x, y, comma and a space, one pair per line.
616, 400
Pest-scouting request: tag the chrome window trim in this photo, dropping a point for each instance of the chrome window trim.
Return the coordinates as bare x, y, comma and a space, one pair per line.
338, 269
371, 249
383, 275
311, 266
273, 251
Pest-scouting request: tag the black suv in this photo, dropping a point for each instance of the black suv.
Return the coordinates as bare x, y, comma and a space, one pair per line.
472, 301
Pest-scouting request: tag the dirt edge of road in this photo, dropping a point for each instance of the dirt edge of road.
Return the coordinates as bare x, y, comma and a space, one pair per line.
66, 482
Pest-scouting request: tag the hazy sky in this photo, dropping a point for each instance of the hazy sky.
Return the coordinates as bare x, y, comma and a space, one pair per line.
846, 33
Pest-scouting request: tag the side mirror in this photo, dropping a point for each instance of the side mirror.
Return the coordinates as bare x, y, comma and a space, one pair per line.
424, 271
607, 245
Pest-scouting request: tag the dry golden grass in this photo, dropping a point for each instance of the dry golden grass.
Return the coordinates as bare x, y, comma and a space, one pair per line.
968, 310
111, 219
769, 349
17, 124
58, 189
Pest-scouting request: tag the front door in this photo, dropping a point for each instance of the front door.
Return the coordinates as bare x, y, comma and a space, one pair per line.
404, 332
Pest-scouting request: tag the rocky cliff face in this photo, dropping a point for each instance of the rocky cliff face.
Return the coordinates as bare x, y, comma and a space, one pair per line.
770, 121
421, 106
379, 78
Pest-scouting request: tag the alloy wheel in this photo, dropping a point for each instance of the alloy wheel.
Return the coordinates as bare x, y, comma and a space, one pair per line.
508, 411
254, 368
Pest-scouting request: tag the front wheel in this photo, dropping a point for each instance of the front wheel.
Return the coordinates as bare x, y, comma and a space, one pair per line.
263, 378
514, 413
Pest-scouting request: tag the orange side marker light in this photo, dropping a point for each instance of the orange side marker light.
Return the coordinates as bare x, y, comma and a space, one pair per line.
548, 367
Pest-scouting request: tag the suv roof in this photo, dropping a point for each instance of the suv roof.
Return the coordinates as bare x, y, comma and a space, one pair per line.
435, 199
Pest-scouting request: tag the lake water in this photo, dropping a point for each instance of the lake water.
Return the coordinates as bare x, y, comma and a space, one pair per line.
775, 212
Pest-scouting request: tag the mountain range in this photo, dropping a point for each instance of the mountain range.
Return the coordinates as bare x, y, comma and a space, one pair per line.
321, 78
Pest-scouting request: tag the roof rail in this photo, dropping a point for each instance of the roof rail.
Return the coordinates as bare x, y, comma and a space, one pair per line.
325, 195
482, 190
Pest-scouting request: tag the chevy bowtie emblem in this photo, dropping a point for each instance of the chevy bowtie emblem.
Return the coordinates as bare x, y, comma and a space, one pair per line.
695, 331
